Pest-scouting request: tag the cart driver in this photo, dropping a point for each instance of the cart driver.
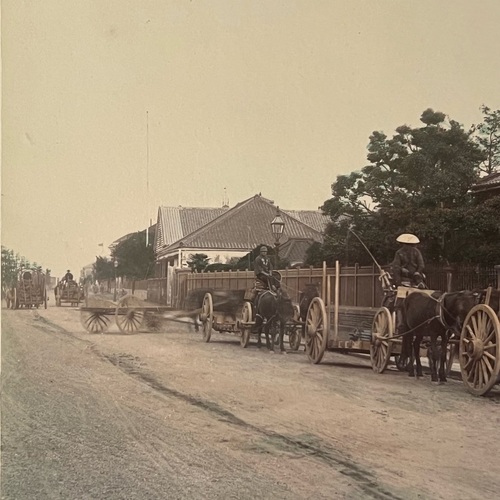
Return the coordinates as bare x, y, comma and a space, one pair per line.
408, 262
408, 265
262, 268
67, 277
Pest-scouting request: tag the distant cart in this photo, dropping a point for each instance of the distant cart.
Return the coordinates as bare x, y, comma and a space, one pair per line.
29, 291
69, 292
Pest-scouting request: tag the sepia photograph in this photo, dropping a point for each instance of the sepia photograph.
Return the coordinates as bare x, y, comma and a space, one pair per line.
250, 249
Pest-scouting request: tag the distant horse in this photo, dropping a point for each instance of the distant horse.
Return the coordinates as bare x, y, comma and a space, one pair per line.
273, 309
434, 316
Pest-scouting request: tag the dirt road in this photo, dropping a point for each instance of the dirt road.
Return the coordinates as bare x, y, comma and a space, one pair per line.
165, 415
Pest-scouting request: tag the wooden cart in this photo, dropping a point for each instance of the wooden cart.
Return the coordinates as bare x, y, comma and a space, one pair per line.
129, 313
29, 291
372, 331
213, 316
70, 292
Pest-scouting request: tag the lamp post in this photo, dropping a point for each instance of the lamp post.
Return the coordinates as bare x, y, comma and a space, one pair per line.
277, 227
115, 264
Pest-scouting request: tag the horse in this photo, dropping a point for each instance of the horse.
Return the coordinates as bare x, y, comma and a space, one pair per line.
273, 309
433, 315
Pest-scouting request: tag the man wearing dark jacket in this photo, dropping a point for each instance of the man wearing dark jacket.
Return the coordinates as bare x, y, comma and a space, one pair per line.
67, 277
408, 262
262, 267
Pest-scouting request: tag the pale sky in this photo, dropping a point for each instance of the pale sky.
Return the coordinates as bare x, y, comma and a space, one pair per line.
270, 96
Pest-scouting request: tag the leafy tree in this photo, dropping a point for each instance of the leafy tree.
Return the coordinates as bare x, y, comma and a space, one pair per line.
198, 262
103, 269
488, 137
135, 259
418, 181
12, 264
10, 268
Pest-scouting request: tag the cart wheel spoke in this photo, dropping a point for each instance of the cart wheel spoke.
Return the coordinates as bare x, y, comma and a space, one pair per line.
94, 322
129, 319
381, 345
206, 316
246, 317
479, 350
316, 334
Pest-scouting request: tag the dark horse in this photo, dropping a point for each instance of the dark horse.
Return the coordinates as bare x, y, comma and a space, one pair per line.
436, 315
273, 310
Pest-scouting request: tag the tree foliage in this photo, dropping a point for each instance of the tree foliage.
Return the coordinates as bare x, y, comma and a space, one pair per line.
488, 137
103, 269
417, 181
12, 263
135, 259
198, 262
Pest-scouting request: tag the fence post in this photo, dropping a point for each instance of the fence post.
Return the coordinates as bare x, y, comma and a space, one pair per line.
497, 269
449, 278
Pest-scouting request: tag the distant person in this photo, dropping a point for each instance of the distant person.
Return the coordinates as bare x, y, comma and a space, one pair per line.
67, 277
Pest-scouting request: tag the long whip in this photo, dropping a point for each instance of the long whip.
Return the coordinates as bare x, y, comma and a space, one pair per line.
385, 277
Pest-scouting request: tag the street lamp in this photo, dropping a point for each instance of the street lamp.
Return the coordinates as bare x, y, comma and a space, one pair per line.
115, 264
277, 226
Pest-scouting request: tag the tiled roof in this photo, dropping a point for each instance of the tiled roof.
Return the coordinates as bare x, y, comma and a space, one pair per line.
245, 226
177, 222
314, 218
294, 250
487, 182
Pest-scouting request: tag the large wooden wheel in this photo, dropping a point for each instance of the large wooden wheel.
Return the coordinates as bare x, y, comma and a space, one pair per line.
246, 317
129, 315
381, 345
316, 330
479, 350
129, 319
295, 332
94, 322
206, 316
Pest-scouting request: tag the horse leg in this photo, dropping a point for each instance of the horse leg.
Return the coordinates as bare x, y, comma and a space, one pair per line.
407, 351
434, 358
258, 330
268, 340
282, 334
444, 350
416, 353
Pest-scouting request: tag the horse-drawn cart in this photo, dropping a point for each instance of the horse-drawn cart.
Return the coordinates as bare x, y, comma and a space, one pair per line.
69, 292
372, 331
29, 291
233, 311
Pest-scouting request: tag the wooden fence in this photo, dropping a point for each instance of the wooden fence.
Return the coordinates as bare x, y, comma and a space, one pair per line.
358, 285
